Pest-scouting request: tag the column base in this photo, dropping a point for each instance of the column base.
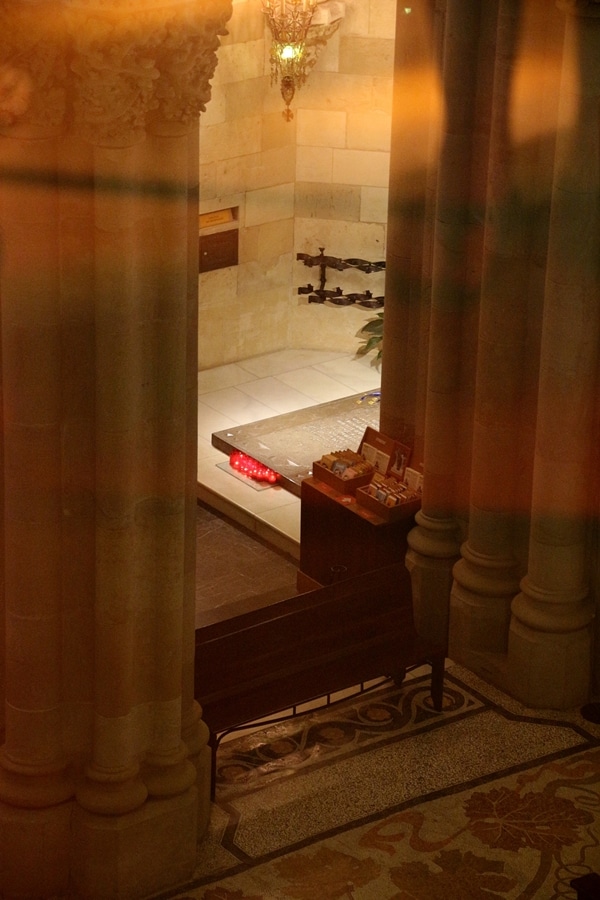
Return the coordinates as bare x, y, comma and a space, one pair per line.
138, 854
34, 851
547, 669
197, 736
480, 604
431, 579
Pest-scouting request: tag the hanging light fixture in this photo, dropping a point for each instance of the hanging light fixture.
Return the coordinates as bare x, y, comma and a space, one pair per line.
289, 21
293, 49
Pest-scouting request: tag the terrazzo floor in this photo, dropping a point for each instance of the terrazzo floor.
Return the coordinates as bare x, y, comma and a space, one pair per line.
377, 796
380, 797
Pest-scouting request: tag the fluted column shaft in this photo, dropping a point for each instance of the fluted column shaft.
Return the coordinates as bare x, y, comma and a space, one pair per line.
194, 730
31, 384
434, 543
98, 328
123, 332
550, 632
416, 128
487, 577
167, 769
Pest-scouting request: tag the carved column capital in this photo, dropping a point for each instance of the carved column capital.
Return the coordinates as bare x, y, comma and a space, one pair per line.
32, 65
109, 69
142, 65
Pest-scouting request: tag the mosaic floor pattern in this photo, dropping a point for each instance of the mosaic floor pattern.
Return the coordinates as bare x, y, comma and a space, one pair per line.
383, 798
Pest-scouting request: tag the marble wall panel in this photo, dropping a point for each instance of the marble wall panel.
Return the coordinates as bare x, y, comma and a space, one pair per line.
224, 141
382, 94
240, 61
244, 25
366, 56
276, 132
265, 274
264, 312
356, 19
328, 201
269, 239
366, 167
327, 167
382, 17
314, 164
270, 167
323, 327
321, 128
216, 108
217, 288
345, 239
335, 90
328, 58
270, 204
374, 204
244, 98
369, 131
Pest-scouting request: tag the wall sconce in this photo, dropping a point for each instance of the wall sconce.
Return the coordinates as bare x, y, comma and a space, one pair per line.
299, 28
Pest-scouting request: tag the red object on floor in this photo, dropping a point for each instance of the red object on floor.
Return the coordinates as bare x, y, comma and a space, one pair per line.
245, 465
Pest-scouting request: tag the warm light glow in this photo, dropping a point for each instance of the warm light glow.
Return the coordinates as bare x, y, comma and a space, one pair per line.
289, 22
251, 468
290, 52
536, 82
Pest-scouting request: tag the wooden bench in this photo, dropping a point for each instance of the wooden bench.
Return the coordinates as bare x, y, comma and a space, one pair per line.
324, 640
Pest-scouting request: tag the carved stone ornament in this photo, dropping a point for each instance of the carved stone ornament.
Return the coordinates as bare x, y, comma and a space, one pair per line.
32, 64
109, 69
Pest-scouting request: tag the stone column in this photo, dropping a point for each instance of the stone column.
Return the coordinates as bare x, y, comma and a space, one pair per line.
35, 783
435, 541
98, 374
193, 731
549, 650
416, 128
487, 577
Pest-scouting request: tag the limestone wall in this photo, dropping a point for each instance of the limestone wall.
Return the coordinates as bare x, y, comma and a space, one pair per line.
320, 180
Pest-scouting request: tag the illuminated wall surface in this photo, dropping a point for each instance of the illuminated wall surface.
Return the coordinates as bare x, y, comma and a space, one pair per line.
490, 365
320, 180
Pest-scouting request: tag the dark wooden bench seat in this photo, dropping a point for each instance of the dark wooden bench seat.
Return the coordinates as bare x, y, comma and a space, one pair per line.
324, 640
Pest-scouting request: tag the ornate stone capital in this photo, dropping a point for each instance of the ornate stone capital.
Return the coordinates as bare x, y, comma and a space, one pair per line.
32, 64
109, 69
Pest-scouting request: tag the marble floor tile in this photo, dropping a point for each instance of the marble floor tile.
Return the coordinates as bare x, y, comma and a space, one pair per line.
276, 394
238, 405
229, 375
316, 385
287, 361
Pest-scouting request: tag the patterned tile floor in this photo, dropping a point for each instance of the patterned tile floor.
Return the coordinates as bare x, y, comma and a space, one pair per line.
377, 798
382, 798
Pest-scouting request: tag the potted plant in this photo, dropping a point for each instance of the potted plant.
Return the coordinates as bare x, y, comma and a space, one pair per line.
371, 336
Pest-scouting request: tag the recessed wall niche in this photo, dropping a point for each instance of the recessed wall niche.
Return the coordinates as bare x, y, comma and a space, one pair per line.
218, 239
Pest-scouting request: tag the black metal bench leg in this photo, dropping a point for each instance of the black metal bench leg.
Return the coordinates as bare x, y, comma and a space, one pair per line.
438, 661
213, 743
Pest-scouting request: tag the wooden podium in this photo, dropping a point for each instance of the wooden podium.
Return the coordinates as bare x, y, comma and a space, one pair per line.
338, 534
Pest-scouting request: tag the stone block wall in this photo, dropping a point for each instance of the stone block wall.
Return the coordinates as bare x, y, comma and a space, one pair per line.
320, 180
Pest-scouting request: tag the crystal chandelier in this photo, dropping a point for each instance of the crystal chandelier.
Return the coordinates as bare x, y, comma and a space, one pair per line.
289, 22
